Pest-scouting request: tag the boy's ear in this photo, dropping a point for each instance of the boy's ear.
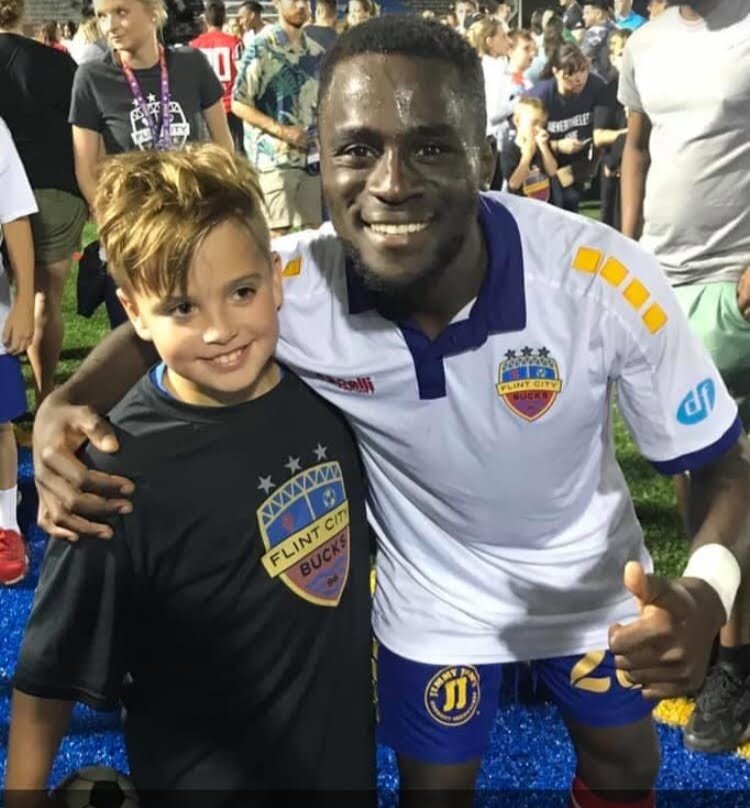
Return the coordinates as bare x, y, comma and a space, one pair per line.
278, 286
131, 309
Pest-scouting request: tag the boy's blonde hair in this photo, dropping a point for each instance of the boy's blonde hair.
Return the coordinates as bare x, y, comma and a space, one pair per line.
155, 208
531, 103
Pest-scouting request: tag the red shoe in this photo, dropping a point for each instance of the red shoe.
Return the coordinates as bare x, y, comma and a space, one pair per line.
14, 563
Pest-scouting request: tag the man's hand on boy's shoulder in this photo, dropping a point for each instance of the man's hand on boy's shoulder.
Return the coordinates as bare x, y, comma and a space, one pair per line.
71, 495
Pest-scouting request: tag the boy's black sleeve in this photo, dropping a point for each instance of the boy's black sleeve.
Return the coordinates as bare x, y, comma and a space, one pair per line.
510, 157
74, 646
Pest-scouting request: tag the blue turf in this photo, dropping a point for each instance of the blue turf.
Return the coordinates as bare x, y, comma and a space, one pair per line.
529, 748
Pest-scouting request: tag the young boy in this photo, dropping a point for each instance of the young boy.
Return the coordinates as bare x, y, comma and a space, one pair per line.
16, 330
235, 595
527, 161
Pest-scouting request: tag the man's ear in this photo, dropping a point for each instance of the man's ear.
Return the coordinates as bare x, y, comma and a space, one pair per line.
131, 309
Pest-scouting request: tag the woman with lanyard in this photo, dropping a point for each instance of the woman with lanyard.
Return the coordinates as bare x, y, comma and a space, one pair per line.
141, 95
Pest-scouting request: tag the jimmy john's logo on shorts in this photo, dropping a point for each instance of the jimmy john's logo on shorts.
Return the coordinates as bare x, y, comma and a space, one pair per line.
305, 529
452, 695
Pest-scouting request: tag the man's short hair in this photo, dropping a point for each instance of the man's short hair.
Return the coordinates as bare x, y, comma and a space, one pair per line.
604, 5
331, 6
155, 208
410, 36
216, 13
252, 6
529, 102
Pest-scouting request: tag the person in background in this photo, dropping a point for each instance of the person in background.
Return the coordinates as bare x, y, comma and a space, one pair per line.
140, 96
595, 41
324, 30
250, 16
223, 51
359, 11
657, 7
610, 130
527, 161
572, 14
68, 32
554, 36
276, 95
488, 38
37, 84
521, 52
49, 34
570, 96
625, 17
16, 329
462, 9
87, 44
450, 19
685, 190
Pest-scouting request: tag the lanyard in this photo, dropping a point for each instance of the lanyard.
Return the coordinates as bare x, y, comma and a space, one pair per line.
163, 140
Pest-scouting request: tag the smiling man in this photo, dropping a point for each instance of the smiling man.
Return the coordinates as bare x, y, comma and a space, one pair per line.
474, 342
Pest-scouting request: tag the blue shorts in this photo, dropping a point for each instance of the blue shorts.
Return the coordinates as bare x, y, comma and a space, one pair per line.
12, 389
444, 713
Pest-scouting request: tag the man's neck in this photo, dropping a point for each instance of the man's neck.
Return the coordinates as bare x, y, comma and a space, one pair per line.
459, 283
214, 29
326, 23
17, 30
691, 15
293, 33
144, 57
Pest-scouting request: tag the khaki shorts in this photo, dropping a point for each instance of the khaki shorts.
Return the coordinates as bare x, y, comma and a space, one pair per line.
58, 226
293, 198
712, 311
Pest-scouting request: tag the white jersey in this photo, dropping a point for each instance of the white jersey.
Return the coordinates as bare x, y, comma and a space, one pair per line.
503, 519
16, 200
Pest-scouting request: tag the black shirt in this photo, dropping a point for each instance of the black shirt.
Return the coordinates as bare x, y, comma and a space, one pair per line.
609, 113
570, 116
324, 35
537, 183
35, 88
103, 101
236, 597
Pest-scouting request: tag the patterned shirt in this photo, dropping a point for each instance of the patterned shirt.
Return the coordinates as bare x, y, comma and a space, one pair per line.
280, 80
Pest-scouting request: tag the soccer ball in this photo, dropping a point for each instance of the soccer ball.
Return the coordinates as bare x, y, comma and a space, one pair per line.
96, 787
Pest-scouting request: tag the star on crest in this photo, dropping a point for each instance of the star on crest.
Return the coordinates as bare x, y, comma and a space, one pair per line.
293, 465
320, 452
510, 354
526, 351
151, 98
265, 484
543, 352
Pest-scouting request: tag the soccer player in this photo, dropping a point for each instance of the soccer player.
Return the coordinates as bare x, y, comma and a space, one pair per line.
16, 331
236, 594
474, 341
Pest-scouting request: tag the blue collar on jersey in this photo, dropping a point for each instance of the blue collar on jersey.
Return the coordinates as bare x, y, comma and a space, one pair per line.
500, 306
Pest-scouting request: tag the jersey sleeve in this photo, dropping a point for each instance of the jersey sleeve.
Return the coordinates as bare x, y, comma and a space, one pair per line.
17, 199
84, 109
75, 642
669, 391
627, 90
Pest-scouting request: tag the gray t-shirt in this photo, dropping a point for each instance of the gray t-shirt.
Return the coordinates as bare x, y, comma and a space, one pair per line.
692, 79
102, 100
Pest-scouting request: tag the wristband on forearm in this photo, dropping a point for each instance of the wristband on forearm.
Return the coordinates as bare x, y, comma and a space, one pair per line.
717, 566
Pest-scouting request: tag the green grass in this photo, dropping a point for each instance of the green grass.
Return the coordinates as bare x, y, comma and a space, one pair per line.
653, 494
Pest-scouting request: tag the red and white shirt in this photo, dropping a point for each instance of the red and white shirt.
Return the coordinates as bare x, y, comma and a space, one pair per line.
223, 52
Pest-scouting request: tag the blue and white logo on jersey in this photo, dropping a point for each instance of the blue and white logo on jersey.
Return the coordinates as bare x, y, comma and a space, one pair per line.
697, 404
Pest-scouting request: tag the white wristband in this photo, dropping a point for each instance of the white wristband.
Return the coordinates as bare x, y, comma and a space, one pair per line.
717, 566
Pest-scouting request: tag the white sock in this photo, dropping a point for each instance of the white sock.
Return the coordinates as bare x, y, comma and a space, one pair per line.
8, 505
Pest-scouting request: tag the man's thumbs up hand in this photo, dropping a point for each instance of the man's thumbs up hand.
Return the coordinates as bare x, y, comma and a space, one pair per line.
666, 650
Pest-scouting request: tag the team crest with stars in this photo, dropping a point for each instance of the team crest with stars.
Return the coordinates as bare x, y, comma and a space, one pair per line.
304, 525
528, 382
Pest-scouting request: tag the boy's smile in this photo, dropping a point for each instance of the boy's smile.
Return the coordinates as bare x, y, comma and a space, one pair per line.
217, 338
